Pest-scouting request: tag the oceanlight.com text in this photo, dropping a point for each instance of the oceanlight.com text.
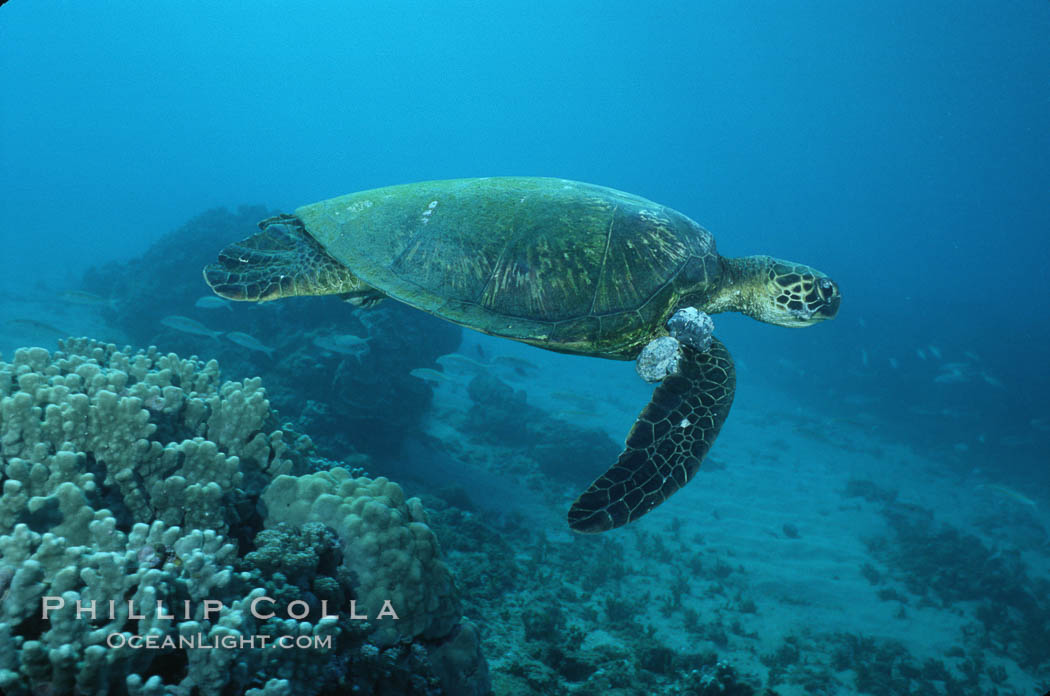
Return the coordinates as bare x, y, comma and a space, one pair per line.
198, 641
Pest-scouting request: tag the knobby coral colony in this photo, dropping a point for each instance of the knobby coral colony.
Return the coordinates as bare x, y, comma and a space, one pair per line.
168, 508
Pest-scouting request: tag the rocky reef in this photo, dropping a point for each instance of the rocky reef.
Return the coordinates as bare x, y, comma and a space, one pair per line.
151, 509
501, 416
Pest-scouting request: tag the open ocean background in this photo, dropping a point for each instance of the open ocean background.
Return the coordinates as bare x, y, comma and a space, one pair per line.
901, 147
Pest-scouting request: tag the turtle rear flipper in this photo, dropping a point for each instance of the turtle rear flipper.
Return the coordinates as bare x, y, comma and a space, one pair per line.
666, 445
282, 260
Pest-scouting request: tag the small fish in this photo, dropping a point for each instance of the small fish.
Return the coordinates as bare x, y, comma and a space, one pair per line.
921, 353
249, 342
935, 351
213, 302
347, 344
893, 363
1010, 493
992, 381
972, 356
863, 324
955, 367
35, 325
190, 326
368, 319
82, 297
519, 365
574, 414
864, 357
461, 360
428, 375
573, 398
951, 378
1040, 424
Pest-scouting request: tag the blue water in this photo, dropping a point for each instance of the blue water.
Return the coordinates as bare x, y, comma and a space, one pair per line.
901, 147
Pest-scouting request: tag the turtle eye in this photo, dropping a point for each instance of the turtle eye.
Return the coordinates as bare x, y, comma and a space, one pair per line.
829, 292
827, 287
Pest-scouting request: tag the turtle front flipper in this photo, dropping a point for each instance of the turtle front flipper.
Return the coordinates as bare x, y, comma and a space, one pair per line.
666, 445
282, 260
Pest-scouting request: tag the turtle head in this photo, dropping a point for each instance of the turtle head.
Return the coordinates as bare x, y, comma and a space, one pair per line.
778, 292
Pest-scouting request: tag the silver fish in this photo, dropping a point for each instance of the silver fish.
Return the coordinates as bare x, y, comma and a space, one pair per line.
935, 351
584, 402
347, 344
992, 381
1007, 492
956, 367
249, 342
428, 375
519, 365
572, 414
34, 325
82, 297
190, 326
458, 360
213, 302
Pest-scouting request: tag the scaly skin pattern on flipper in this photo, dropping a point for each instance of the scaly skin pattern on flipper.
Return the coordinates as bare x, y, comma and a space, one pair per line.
280, 261
665, 447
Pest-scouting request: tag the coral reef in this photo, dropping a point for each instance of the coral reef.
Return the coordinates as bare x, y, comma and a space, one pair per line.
387, 546
132, 488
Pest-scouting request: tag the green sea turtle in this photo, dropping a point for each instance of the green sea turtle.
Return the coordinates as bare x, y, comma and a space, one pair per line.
562, 265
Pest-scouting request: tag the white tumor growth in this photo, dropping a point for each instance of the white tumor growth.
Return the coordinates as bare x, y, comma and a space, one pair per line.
426, 213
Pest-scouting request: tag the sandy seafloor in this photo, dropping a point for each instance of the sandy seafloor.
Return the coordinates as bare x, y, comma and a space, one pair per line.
778, 462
